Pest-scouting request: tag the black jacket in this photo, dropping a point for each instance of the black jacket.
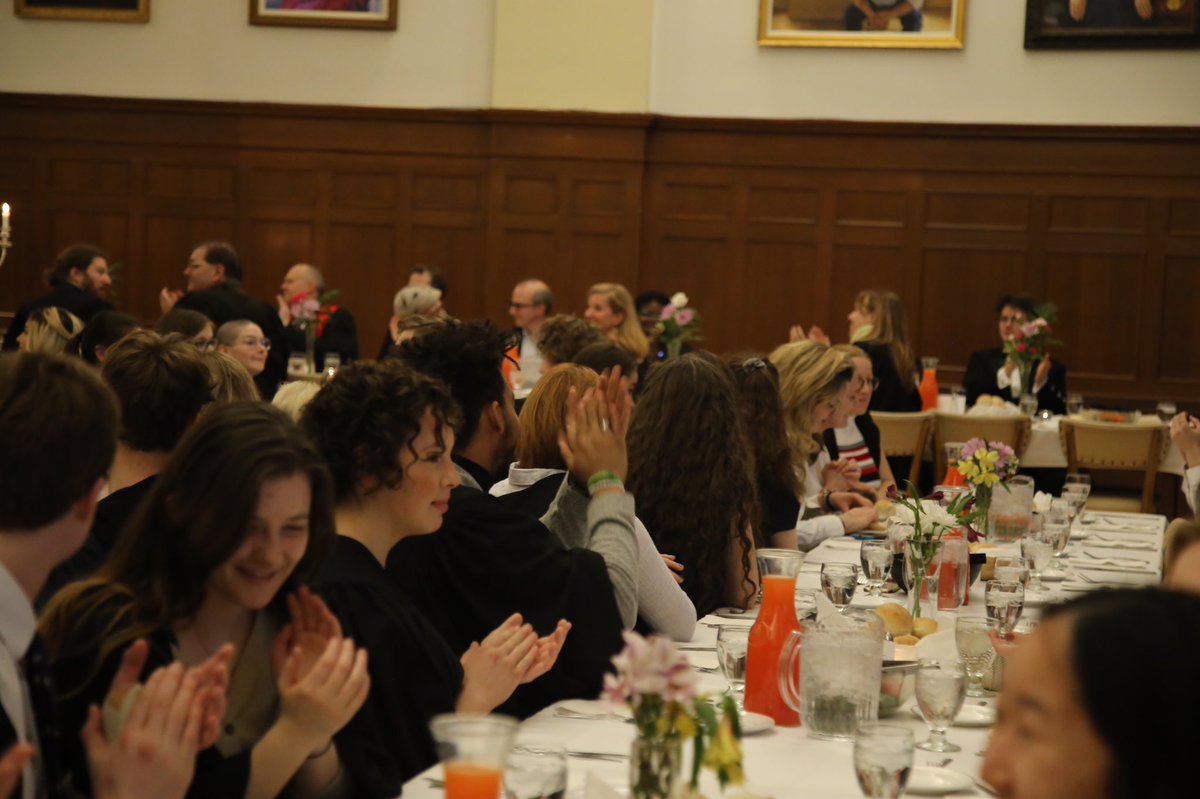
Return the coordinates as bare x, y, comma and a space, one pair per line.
980, 378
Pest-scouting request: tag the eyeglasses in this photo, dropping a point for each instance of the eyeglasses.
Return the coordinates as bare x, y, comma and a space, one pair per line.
251, 341
873, 383
204, 344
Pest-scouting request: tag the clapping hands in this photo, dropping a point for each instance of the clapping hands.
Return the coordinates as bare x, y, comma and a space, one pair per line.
511, 655
594, 438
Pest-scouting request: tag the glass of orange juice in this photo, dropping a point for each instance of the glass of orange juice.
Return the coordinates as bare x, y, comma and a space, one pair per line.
473, 750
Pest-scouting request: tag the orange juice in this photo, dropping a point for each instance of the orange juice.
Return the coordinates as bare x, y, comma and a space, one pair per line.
468, 781
775, 624
929, 389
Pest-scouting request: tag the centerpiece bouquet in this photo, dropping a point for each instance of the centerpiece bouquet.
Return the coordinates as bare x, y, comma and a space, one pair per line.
677, 324
310, 311
984, 464
1031, 342
654, 678
923, 523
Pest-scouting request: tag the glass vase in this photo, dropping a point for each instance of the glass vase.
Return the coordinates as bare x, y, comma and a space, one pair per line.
921, 570
654, 766
310, 348
983, 504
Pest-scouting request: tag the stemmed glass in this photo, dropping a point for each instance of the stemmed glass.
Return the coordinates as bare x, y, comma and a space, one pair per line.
732, 644
839, 581
1037, 549
1011, 569
1004, 601
941, 687
975, 651
883, 757
1056, 526
1076, 489
876, 559
1074, 404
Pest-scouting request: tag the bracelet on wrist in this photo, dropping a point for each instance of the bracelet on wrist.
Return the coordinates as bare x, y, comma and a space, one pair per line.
601, 481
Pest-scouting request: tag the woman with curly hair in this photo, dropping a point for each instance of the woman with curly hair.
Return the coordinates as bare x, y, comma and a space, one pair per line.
535, 478
387, 432
610, 308
815, 384
691, 470
562, 336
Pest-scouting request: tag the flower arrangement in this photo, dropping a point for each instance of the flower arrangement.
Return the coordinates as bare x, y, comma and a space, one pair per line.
1031, 342
678, 324
983, 464
924, 523
310, 312
654, 678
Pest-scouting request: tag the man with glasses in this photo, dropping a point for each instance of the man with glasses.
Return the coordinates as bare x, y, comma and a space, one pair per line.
531, 303
79, 282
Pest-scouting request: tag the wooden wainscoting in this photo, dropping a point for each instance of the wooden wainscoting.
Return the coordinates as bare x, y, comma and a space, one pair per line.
763, 223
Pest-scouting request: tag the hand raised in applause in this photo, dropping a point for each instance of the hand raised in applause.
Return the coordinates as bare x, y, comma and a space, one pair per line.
319, 702
594, 438
167, 299
11, 764
311, 629
493, 669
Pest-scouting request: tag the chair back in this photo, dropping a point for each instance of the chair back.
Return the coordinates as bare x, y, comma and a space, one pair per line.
1011, 430
904, 434
1115, 447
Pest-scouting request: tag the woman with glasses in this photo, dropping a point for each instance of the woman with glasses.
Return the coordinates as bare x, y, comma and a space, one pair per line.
857, 441
192, 325
245, 341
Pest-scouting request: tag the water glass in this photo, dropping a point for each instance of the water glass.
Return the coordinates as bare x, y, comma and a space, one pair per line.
536, 772
839, 581
975, 651
1078, 482
297, 365
1166, 410
732, 643
877, 557
941, 688
1028, 404
1011, 570
333, 362
1074, 404
1056, 527
1037, 550
1004, 601
883, 757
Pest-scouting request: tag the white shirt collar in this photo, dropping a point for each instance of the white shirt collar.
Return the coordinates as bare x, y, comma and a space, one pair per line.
17, 622
519, 478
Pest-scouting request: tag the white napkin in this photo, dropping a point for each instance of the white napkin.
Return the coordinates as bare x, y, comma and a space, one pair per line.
828, 616
594, 788
939, 646
1007, 409
1041, 502
1111, 541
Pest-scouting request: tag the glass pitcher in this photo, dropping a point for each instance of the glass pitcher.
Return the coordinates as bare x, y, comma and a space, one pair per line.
1011, 511
776, 621
831, 674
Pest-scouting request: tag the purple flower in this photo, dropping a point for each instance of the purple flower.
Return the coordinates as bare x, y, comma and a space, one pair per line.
971, 447
685, 317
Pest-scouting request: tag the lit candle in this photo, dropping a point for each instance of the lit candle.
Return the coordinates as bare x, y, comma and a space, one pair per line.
5, 212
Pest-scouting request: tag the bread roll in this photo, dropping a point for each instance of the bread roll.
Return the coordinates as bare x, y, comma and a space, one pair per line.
924, 627
907, 640
885, 508
896, 619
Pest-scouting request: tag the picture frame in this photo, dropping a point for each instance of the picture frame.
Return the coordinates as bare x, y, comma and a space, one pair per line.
88, 10
937, 24
1111, 24
361, 14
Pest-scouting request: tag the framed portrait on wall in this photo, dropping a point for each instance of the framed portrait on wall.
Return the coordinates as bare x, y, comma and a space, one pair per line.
936, 24
1111, 24
95, 10
369, 14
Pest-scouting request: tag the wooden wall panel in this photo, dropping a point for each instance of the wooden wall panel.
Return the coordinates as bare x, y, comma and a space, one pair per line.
764, 223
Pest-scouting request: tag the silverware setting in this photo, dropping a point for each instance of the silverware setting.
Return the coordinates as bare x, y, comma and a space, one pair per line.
612, 757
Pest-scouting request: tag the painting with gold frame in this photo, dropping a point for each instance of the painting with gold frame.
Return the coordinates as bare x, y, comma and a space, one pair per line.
933, 24
368, 14
93, 10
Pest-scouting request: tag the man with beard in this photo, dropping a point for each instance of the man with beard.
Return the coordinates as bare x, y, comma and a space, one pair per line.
78, 283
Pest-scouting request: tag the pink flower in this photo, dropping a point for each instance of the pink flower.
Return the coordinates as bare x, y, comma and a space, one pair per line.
1020, 346
668, 311
685, 317
650, 666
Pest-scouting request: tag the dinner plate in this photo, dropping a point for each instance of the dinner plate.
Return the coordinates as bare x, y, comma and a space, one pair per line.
594, 708
928, 781
754, 723
1053, 576
969, 716
736, 613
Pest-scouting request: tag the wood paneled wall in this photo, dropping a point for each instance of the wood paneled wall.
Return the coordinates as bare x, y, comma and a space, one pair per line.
763, 223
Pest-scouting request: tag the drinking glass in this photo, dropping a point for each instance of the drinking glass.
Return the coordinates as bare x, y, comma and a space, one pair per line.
1077, 496
1028, 404
333, 362
1166, 410
732, 643
1064, 504
1080, 482
1011, 570
876, 559
1056, 526
473, 750
1074, 404
838, 581
975, 651
941, 687
296, 364
536, 772
1037, 550
1004, 601
883, 757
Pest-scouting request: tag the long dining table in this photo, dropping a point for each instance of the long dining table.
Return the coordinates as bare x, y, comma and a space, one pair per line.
1106, 550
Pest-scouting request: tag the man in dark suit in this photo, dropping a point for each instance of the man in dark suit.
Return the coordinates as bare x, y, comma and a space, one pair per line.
990, 371
78, 282
214, 288
334, 325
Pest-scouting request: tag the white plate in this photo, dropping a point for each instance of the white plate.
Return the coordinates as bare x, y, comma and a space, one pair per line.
969, 716
754, 723
1054, 576
928, 781
597, 708
866, 601
736, 613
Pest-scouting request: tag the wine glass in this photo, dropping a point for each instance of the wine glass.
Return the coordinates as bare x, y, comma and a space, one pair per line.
975, 650
1037, 550
1078, 482
839, 581
941, 687
883, 757
1011, 569
1004, 601
876, 559
1074, 404
1056, 526
1166, 410
732, 644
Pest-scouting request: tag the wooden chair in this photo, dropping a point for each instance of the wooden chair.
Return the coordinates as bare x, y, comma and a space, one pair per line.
903, 434
1115, 447
960, 427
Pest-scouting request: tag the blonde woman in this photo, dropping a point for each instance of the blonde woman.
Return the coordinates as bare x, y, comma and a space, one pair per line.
610, 308
231, 381
878, 326
48, 329
816, 384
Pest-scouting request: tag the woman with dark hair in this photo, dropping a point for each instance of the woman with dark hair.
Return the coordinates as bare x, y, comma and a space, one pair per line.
192, 325
99, 333
757, 385
387, 433
535, 478
1098, 702
691, 470
562, 336
241, 514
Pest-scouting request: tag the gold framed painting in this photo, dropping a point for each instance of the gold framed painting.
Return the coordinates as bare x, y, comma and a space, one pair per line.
930, 24
91, 10
363, 14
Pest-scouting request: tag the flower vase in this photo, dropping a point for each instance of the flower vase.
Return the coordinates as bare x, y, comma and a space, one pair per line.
674, 347
654, 766
310, 349
921, 567
983, 504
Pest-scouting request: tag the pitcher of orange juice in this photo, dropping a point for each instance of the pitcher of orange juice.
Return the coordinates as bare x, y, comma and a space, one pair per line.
929, 384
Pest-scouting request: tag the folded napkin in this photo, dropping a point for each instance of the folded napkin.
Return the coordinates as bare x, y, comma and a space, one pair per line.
1041, 502
1111, 577
1108, 541
940, 645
